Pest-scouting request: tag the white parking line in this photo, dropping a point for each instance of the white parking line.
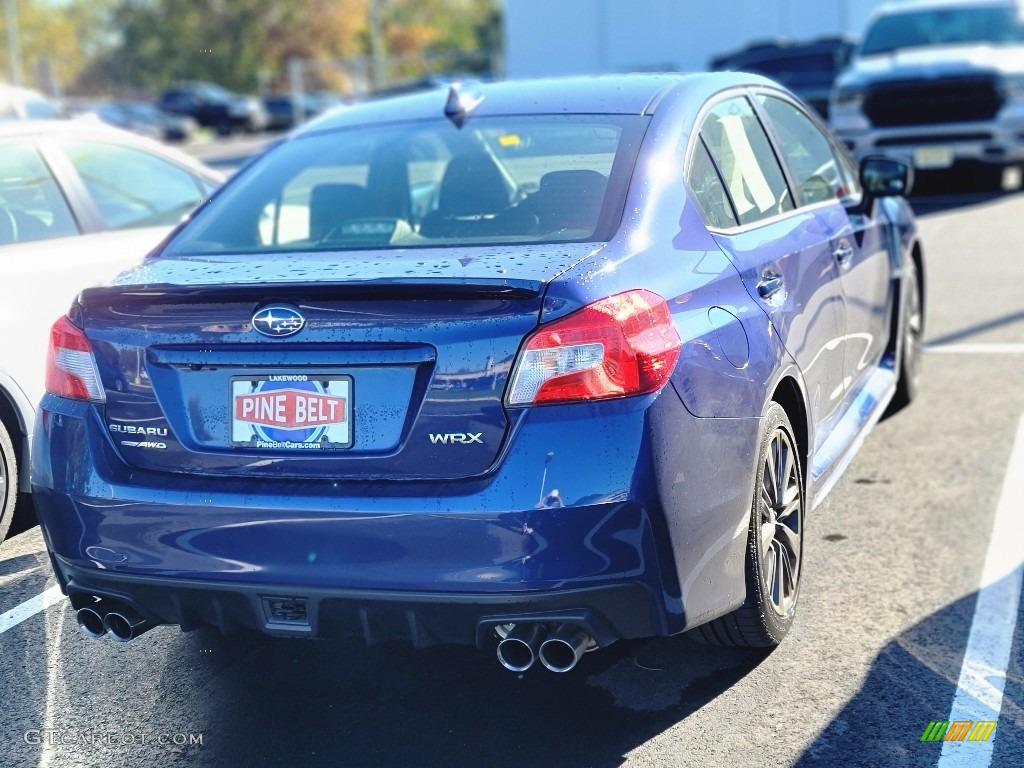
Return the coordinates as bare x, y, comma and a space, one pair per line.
975, 349
53, 626
979, 692
29, 608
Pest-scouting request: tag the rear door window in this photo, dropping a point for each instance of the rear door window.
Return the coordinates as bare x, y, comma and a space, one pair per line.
132, 188
709, 191
744, 156
32, 206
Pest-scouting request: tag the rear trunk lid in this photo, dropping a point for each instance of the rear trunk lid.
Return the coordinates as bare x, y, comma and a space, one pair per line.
398, 369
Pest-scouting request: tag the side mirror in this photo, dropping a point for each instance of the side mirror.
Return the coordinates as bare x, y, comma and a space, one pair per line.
882, 177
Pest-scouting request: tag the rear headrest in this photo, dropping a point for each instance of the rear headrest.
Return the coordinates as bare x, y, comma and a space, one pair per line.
571, 199
472, 186
332, 204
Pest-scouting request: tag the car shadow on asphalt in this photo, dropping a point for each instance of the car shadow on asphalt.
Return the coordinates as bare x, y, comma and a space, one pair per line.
11, 566
272, 701
911, 683
946, 197
327, 703
976, 329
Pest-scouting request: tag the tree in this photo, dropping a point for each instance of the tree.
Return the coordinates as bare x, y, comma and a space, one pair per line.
57, 41
229, 41
438, 35
127, 45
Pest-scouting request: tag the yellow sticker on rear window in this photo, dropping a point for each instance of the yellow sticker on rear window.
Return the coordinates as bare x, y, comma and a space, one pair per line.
509, 140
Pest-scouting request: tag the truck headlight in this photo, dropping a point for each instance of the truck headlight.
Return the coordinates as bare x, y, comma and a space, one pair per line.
240, 108
1014, 86
848, 97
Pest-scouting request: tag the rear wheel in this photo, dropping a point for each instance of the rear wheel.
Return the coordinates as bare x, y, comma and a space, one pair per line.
8, 481
774, 546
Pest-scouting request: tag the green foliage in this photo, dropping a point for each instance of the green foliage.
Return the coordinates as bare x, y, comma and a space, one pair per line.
226, 41
437, 35
58, 40
121, 45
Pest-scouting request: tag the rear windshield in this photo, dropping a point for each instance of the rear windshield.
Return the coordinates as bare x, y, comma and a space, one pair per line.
523, 179
947, 26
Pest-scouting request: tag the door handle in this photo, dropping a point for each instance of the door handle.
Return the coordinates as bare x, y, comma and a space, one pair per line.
769, 284
843, 252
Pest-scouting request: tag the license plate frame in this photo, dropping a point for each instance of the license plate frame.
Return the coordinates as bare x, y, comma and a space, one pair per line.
294, 405
934, 158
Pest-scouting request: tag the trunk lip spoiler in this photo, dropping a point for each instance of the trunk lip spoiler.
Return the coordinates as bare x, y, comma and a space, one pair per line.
404, 288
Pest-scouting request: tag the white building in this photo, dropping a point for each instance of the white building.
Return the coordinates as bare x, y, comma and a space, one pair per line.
563, 37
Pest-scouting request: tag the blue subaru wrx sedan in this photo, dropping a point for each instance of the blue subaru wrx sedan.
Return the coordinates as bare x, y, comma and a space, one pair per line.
534, 366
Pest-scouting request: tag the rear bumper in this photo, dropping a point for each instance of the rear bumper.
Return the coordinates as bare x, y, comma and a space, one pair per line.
627, 517
608, 613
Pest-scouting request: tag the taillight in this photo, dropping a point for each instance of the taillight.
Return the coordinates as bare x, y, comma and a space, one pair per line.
70, 367
620, 346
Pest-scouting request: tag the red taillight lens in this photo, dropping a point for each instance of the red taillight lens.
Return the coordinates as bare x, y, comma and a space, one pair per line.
619, 346
70, 367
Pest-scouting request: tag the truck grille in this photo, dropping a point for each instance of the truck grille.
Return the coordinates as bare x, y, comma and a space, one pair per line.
923, 102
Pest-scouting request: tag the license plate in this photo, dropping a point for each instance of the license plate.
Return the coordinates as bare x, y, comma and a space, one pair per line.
927, 158
291, 412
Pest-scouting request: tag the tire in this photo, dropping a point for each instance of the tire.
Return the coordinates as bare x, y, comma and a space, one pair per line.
225, 127
911, 327
8, 481
774, 560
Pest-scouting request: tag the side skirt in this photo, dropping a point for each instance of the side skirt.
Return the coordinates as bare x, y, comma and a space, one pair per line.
835, 454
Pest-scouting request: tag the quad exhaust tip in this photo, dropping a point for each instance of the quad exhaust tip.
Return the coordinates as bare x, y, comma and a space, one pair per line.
90, 620
102, 616
564, 648
518, 650
559, 651
124, 624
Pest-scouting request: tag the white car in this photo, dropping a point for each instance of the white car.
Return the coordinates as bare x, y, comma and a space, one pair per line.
26, 104
79, 204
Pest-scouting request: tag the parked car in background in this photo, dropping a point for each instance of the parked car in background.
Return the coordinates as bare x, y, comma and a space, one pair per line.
536, 366
808, 68
215, 107
107, 112
937, 83
140, 117
79, 203
281, 109
166, 126
26, 104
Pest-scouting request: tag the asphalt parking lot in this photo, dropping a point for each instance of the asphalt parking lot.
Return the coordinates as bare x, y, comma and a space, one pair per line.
893, 632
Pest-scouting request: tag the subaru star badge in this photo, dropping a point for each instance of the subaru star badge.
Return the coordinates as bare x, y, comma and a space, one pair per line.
278, 320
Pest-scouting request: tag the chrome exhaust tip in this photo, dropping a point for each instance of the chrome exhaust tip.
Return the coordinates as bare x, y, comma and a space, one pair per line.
518, 650
90, 620
564, 648
123, 624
